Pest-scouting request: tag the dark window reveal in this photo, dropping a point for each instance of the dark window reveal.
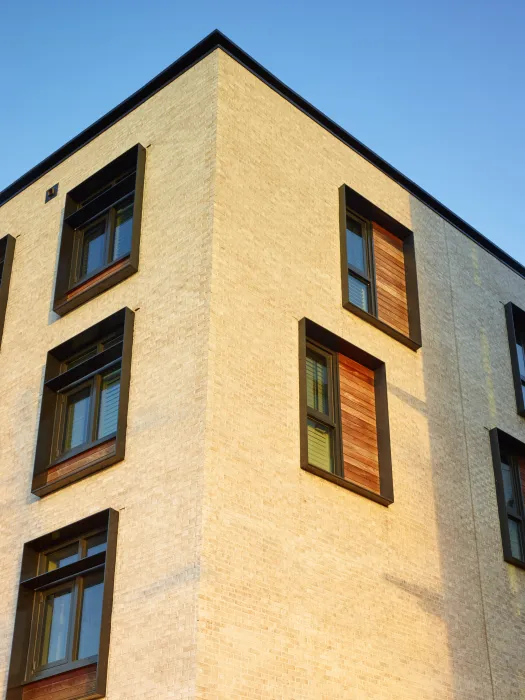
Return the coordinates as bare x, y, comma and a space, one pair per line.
508, 455
84, 406
378, 269
7, 252
101, 231
344, 414
516, 332
64, 609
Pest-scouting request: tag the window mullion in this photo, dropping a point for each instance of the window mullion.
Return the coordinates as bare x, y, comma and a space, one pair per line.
110, 234
95, 406
74, 617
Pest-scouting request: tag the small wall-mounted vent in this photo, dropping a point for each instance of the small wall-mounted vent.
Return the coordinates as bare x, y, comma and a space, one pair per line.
52, 192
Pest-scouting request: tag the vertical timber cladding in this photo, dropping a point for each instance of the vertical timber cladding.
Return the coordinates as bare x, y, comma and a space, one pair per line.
358, 424
79, 683
392, 306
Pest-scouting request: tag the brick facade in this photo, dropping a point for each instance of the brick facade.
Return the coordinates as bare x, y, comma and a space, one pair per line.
239, 575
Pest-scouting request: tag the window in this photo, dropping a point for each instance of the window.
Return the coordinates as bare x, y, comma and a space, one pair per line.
378, 269
516, 332
84, 404
344, 414
7, 251
101, 231
508, 455
63, 615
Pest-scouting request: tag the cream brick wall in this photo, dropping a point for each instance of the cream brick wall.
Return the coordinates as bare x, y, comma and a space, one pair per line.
238, 574
310, 591
158, 487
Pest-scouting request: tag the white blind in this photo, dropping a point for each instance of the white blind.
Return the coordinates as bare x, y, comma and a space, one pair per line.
109, 402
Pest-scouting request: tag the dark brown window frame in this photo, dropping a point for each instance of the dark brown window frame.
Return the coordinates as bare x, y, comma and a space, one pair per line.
503, 443
311, 332
33, 583
515, 318
95, 199
56, 380
351, 203
7, 253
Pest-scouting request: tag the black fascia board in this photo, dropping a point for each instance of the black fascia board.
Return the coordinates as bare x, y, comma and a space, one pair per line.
217, 39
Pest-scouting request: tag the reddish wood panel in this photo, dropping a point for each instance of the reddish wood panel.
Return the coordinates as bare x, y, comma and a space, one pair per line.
392, 306
81, 460
358, 424
107, 272
79, 683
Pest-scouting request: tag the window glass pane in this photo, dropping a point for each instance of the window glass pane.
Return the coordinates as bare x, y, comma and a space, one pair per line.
515, 539
123, 230
89, 352
355, 244
109, 401
508, 483
55, 627
96, 543
320, 448
358, 292
521, 358
91, 616
77, 419
317, 381
62, 557
93, 249
113, 340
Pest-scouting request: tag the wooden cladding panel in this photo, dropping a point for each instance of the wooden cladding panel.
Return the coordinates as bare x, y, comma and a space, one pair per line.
81, 460
79, 683
392, 305
358, 424
107, 272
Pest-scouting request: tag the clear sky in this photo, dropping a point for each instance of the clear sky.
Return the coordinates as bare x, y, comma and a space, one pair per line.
436, 87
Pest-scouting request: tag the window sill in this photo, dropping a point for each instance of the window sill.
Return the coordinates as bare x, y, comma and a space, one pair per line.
62, 669
73, 468
97, 284
350, 486
374, 321
515, 562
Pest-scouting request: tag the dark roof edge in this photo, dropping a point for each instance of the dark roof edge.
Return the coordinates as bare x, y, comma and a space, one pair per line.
218, 40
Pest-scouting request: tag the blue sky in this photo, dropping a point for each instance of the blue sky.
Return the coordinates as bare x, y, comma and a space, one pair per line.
436, 88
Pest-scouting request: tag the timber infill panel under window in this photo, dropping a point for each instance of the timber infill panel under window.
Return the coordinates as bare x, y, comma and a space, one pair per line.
63, 616
508, 456
345, 434
83, 415
101, 231
7, 252
378, 268
516, 333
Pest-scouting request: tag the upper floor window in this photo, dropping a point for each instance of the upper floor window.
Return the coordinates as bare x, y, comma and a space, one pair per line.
101, 231
64, 609
508, 455
516, 332
344, 431
84, 404
7, 251
378, 268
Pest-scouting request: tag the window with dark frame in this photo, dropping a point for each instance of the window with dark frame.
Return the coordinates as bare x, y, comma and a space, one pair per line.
84, 405
7, 252
378, 268
516, 333
63, 616
344, 414
101, 231
508, 455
